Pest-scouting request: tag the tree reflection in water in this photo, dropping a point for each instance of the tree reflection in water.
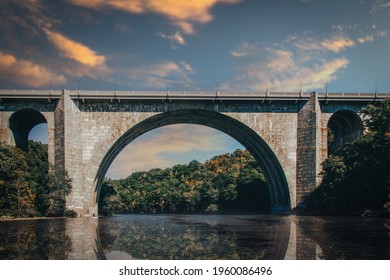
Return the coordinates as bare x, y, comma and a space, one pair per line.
34, 240
194, 237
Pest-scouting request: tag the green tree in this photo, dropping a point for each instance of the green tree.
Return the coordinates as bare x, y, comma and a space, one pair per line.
58, 187
109, 201
29, 184
16, 197
38, 169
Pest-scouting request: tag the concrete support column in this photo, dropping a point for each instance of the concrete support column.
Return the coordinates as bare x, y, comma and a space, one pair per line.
308, 147
68, 149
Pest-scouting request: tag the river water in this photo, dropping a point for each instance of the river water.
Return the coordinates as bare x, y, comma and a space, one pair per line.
197, 237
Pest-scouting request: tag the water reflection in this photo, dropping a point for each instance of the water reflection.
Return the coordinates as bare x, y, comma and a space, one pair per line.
196, 237
348, 238
34, 240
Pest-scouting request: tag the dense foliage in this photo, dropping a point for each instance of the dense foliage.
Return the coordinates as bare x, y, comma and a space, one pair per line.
29, 184
227, 183
16, 196
356, 177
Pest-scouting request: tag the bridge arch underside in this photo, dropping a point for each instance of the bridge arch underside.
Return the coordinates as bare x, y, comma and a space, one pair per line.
343, 126
21, 122
274, 174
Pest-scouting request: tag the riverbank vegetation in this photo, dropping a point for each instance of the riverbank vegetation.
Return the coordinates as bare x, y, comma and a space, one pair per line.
356, 177
29, 185
224, 184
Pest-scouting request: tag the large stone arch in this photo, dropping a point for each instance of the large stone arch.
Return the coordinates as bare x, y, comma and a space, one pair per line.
275, 176
21, 122
344, 126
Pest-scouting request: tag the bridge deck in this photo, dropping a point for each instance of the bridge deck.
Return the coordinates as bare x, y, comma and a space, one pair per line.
188, 95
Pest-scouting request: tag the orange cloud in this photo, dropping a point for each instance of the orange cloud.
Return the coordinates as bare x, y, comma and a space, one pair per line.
337, 43
183, 13
74, 50
333, 44
27, 73
282, 60
324, 73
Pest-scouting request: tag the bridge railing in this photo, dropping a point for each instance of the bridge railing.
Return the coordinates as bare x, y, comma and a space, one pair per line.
223, 95
21, 93
187, 95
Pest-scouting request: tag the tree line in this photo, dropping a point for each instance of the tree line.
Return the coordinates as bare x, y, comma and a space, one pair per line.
227, 183
356, 177
29, 184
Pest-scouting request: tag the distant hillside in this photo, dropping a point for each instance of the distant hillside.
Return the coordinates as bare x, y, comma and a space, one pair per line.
227, 183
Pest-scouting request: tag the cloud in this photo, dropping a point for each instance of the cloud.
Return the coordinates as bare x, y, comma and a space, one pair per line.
164, 147
27, 73
182, 13
244, 49
74, 50
186, 66
382, 33
335, 44
29, 30
284, 70
174, 38
379, 6
160, 75
368, 38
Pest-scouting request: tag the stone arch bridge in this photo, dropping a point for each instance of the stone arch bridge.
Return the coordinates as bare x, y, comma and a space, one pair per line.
286, 132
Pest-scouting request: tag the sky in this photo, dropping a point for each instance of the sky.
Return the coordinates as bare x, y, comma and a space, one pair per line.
239, 45
169, 145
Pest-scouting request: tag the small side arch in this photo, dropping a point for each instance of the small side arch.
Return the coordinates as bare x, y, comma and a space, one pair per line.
21, 122
344, 126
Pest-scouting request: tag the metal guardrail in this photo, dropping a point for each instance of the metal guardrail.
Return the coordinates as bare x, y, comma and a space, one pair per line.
187, 95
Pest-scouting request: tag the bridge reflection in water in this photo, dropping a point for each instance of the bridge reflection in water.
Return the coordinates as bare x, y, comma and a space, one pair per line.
195, 237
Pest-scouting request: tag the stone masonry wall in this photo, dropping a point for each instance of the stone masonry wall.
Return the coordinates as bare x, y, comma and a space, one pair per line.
59, 134
5, 133
308, 138
73, 148
278, 130
101, 131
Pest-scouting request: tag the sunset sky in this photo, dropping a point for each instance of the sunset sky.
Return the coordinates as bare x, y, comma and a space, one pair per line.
154, 44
